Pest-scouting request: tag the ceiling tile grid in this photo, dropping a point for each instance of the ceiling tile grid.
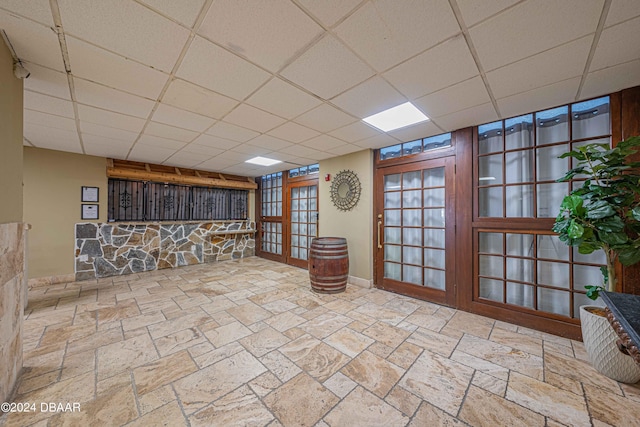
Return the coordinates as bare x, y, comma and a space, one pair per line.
211, 84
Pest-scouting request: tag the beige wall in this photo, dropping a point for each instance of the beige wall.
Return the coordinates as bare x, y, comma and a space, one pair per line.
52, 190
354, 225
12, 285
10, 140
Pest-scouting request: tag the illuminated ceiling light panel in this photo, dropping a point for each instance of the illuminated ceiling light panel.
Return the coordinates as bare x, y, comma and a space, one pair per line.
263, 161
397, 117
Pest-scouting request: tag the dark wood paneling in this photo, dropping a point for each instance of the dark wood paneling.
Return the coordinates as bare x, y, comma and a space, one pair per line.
630, 126
464, 216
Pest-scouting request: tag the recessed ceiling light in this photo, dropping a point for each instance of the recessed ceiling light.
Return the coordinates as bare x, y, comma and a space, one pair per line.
263, 161
397, 117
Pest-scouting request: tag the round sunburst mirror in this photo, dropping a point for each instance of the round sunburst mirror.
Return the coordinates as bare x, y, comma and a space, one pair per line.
345, 190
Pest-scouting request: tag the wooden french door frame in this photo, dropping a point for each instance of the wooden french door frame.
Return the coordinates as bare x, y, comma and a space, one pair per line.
448, 296
265, 222
288, 223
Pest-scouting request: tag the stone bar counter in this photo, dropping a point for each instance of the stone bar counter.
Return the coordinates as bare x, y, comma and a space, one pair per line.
623, 312
118, 248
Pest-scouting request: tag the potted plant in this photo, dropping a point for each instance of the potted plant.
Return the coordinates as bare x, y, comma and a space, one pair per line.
603, 214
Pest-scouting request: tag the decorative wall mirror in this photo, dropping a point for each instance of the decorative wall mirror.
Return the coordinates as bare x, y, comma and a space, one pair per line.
345, 190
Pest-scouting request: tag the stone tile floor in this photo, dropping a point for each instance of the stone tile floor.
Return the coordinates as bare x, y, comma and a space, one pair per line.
246, 343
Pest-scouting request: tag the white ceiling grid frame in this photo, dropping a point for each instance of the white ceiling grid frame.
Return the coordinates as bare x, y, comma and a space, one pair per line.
114, 24
106, 68
48, 104
267, 33
386, 33
185, 109
327, 68
196, 99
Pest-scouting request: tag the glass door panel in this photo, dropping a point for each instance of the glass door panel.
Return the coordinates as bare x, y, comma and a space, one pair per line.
416, 230
271, 235
303, 210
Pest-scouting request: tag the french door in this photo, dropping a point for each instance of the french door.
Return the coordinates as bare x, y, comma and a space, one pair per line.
303, 220
415, 230
287, 217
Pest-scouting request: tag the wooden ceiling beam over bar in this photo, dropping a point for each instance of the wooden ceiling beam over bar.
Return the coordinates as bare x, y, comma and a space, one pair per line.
137, 171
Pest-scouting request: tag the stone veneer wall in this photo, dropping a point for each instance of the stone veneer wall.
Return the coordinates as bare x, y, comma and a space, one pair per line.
11, 306
113, 249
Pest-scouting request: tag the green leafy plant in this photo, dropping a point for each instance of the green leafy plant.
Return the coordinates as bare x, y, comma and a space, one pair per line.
604, 213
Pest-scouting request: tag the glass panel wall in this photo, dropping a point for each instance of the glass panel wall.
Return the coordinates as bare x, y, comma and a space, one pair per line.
517, 167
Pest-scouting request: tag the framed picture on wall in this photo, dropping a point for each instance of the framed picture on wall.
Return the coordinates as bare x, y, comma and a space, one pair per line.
90, 211
90, 194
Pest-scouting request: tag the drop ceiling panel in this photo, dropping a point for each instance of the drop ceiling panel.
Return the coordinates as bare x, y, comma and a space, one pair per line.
612, 79
160, 142
460, 96
560, 63
253, 118
327, 69
184, 11
477, 115
49, 120
378, 141
539, 99
110, 119
114, 134
354, 132
101, 96
325, 118
300, 151
283, 99
417, 131
446, 64
323, 143
38, 10
172, 132
344, 149
329, 11
127, 28
185, 159
32, 42
229, 131
474, 11
180, 118
98, 65
617, 45
197, 99
47, 81
215, 142
385, 34
369, 98
150, 153
201, 150
532, 27
293, 132
53, 138
251, 150
622, 10
241, 169
214, 164
48, 104
234, 157
95, 145
208, 65
270, 142
266, 33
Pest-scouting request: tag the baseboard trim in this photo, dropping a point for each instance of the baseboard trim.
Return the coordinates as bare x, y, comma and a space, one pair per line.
37, 282
359, 281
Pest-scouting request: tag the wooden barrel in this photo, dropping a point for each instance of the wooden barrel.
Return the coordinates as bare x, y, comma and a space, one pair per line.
328, 264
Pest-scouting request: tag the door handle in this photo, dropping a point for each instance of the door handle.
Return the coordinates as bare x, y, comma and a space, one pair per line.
379, 227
